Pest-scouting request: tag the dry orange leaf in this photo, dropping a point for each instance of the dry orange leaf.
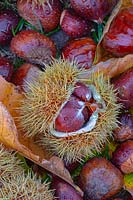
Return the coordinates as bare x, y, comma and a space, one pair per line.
10, 99
110, 68
10, 96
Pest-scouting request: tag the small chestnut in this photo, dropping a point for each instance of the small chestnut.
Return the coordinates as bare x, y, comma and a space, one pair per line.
123, 157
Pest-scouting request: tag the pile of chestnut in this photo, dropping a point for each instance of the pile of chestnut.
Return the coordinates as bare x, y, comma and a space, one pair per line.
64, 28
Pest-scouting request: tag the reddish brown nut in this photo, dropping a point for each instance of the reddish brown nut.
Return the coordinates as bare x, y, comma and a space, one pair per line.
25, 74
123, 157
8, 21
63, 191
125, 130
6, 68
72, 116
119, 39
82, 51
73, 25
33, 46
95, 10
124, 85
100, 179
46, 13
82, 92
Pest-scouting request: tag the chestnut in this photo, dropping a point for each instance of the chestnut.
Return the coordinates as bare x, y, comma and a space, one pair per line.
82, 92
119, 39
26, 73
123, 157
40, 13
125, 129
72, 116
33, 46
8, 20
93, 10
64, 191
6, 68
81, 50
100, 179
124, 86
73, 25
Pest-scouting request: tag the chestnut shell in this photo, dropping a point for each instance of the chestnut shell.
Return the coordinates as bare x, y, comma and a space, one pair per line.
8, 20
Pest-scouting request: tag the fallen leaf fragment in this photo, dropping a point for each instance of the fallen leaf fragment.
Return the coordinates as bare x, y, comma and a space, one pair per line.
10, 137
110, 68
10, 96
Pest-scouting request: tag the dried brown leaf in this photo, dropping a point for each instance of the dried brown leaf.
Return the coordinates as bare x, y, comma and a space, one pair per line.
110, 68
11, 99
10, 96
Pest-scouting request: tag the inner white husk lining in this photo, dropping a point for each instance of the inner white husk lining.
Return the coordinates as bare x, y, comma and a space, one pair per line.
88, 125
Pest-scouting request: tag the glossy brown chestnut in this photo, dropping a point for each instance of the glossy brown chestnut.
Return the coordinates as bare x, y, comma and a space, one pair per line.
82, 51
72, 116
46, 14
124, 86
119, 39
100, 179
125, 129
6, 68
73, 25
25, 74
82, 92
95, 10
63, 191
33, 46
123, 157
8, 21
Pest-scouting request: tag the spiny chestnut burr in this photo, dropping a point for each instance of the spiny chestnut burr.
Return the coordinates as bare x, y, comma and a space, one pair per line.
81, 50
125, 129
124, 86
15, 184
47, 97
123, 157
26, 73
33, 46
45, 13
100, 180
119, 39
8, 21
6, 68
64, 191
95, 10
73, 25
